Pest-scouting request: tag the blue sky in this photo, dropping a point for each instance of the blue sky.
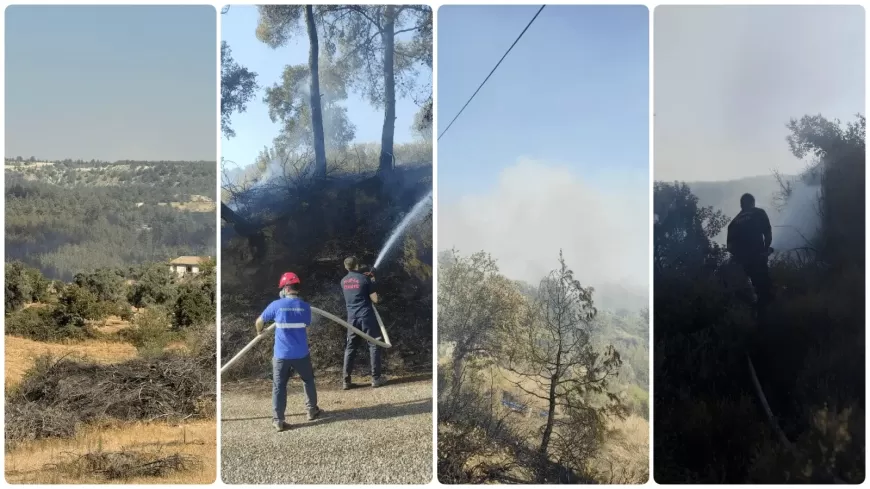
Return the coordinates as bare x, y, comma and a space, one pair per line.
253, 128
553, 152
111, 82
574, 90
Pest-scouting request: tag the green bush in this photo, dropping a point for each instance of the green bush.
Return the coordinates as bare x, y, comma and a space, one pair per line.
108, 285
17, 288
151, 332
76, 305
37, 323
154, 287
193, 306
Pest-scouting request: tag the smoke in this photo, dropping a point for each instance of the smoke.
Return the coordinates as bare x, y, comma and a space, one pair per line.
728, 79
298, 162
797, 222
536, 209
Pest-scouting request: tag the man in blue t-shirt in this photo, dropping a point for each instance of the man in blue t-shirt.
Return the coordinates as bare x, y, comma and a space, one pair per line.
359, 295
291, 315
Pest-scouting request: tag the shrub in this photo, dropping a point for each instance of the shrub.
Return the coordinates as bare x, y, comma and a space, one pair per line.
154, 287
106, 284
18, 290
193, 306
151, 332
38, 323
76, 305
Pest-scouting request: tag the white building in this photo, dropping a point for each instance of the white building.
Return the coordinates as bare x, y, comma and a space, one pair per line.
187, 264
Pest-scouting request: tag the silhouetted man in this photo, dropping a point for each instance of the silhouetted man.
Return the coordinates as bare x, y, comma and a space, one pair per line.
359, 295
749, 239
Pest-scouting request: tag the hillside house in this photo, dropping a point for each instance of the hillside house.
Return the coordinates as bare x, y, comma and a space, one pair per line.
183, 265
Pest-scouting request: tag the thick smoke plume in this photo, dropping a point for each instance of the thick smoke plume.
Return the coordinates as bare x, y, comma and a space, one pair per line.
535, 209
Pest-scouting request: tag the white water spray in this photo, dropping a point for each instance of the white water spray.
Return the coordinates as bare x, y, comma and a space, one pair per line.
411, 217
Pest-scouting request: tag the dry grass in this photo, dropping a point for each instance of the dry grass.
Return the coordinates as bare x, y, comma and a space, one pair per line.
624, 458
178, 346
111, 325
48, 461
21, 354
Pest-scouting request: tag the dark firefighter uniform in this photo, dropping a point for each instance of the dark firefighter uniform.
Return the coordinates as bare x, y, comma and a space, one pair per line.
357, 288
749, 238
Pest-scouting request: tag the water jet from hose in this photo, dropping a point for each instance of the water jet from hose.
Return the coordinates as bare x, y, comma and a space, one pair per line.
385, 343
415, 212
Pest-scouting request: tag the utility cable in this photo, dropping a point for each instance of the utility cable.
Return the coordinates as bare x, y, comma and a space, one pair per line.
493, 71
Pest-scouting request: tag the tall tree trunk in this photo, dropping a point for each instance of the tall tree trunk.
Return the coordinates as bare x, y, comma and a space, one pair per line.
551, 408
314, 102
386, 162
458, 362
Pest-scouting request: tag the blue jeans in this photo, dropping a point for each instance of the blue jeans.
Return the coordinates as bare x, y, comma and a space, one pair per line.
281, 368
369, 326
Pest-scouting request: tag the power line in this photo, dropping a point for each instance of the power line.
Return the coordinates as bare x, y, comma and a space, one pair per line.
493, 70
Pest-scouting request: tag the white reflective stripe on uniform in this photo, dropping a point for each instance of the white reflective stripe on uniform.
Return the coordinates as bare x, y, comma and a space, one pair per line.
290, 325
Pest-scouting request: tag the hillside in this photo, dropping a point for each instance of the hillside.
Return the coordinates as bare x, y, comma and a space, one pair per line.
764, 393
538, 384
309, 227
68, 217
725, 195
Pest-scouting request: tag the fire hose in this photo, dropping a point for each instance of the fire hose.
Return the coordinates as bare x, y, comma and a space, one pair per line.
385, 343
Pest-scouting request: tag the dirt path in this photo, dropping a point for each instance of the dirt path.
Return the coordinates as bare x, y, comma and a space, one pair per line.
365, 436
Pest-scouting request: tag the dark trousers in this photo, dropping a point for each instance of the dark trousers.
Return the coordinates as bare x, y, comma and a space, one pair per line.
759, 274
281, 369
369, 326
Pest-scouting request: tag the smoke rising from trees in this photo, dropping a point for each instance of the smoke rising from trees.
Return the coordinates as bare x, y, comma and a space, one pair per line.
535, 208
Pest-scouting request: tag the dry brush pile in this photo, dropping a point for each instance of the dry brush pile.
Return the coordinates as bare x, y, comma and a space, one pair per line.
125, 465
58, 396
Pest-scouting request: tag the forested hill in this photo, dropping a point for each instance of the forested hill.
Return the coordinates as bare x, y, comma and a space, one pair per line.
73, 216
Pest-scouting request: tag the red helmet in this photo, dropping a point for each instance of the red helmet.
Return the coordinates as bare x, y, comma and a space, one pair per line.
288, 278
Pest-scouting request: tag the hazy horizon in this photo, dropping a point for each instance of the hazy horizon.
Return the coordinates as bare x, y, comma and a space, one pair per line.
729, 78
111, 82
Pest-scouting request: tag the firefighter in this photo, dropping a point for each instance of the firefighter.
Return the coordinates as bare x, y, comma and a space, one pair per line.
292, 316
749, 240
360, 295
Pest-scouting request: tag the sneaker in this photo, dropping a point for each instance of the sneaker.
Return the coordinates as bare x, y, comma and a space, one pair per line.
347, 384
279, 426
378, 381
314, 413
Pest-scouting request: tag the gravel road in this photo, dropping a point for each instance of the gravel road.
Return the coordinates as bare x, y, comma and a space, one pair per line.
364, 436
